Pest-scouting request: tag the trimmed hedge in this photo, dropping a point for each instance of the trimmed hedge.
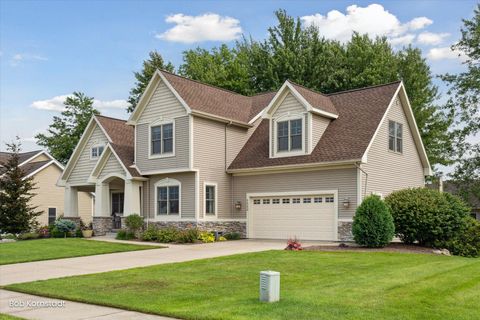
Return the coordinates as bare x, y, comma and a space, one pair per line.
373, 224
427, 216
467, 242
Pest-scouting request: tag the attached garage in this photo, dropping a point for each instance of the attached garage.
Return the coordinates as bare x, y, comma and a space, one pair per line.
307, 216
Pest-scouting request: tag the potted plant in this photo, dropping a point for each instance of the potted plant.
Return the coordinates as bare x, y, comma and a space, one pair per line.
87, 230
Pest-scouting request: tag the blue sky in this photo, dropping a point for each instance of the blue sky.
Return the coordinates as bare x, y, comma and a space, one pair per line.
49, 49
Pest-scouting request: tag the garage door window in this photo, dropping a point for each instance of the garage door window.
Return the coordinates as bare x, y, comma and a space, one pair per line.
256, 201
276, 201
266, 201
296, 200
307, 200
329, 199
284, 201
317, 200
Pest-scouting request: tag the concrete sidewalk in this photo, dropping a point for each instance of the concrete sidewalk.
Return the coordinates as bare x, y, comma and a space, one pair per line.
16, 304
42, 270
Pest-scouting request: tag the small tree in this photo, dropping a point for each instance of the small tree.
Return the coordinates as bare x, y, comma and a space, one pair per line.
65, 226
373, 224
16, 213
134, 223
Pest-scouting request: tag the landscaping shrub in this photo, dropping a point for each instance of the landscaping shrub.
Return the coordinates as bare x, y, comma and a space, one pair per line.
467, 242
28, 236
427, 216
232, 236
44, 232
125, 235
78, 233
134, 223
55, 233
187, 236
206, 237
65, 226
373, 224
151, 234
294, 245
167, 235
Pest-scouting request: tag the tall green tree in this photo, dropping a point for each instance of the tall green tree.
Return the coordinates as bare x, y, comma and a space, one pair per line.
66, 129
464, 105
155, 61
16, 213
433, 122
301, 55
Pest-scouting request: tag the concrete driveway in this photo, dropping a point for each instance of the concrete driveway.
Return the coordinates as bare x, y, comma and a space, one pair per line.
42, 270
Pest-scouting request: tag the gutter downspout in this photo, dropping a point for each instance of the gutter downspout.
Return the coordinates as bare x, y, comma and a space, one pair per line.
366, 179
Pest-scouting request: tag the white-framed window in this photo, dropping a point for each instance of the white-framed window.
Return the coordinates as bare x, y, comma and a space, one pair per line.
96, 151
168, 197
275, 201
395, 136
296, 200
256, 201
289, 135
162, 139
266, 201
285, 201
210, 193
329, 199
317, 200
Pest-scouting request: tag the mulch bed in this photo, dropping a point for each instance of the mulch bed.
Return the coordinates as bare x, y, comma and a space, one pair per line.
393, 247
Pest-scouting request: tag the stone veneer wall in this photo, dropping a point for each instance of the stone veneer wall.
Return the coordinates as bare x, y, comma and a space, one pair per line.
345, 231
102, 225
220, 226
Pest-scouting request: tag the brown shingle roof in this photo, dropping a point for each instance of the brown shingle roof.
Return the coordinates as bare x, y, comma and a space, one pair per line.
122, 136
21, 156
316, 99
216, 101
346, 138
30, 167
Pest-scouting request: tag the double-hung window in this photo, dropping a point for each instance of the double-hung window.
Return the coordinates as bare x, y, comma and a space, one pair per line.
289, 135
161, 139
96, 151
395, 136
210, 199
168, 200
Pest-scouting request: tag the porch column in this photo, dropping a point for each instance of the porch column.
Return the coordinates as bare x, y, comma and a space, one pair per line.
70, 202
102, 200
131, 203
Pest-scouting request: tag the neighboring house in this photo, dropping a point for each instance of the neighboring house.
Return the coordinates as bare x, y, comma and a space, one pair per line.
49, 198
276, 165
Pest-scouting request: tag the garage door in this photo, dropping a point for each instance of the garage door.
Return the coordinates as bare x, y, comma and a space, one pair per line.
307, 217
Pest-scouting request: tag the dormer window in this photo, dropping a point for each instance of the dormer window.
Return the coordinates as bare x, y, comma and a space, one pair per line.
289, 135
96, 151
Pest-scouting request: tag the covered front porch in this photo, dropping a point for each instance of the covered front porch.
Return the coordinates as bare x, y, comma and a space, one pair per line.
115, 198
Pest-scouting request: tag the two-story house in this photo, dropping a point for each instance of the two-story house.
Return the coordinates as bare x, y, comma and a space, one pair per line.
276, 165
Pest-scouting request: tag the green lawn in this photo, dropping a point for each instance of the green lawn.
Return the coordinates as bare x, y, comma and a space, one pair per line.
314, 285
47, 249
8, 317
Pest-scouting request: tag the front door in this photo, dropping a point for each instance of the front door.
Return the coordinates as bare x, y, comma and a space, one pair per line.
117, 203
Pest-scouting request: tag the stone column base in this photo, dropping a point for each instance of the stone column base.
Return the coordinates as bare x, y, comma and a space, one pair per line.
102, 225
345, 231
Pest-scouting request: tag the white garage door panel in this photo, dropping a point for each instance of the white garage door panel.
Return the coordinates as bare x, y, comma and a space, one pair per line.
306, 221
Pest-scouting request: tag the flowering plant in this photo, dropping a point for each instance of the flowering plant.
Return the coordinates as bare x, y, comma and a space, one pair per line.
294, 244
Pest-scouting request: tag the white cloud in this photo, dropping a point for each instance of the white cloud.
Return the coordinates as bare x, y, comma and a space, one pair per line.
443, 53
402, 40
206, 27
21, 57
430, 38
373, 20
56, 104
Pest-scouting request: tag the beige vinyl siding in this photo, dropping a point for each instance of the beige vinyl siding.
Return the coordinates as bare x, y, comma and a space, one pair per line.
162, 103
40, 157
209, 159
345, 180
48, 195
389, 171
187, 180
181, 158
85, 165
111, 166
289, 104
236, 139
319, 125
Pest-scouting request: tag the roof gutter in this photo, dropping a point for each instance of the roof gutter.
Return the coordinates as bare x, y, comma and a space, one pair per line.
220, 119
303, 166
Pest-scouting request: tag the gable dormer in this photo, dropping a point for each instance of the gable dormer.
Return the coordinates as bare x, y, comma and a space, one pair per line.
298, 117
